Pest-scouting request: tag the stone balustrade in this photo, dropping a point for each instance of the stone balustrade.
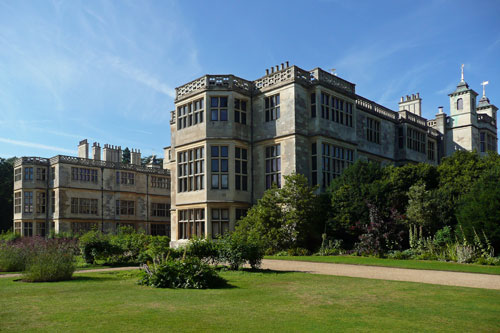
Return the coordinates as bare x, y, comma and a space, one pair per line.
366, 104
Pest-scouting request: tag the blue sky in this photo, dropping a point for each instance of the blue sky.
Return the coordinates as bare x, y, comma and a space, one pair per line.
106, 70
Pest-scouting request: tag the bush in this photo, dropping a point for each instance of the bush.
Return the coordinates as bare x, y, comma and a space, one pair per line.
443, 236
95, 245
9, 236
12, 256
133, 246
298, 251
235, 250
401, 255
159, 247
188, 273
203, 249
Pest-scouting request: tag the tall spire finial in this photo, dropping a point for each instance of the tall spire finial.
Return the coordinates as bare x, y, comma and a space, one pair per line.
484, 84
462, 73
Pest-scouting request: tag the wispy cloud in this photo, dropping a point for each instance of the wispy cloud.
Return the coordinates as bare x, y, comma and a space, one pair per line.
35, 145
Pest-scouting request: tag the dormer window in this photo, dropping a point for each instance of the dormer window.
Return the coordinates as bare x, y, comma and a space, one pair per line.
460, 104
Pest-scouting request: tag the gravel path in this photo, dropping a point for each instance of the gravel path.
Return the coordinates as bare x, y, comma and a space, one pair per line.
459, 279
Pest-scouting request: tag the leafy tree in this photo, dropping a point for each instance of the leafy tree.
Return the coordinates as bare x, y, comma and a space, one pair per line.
421, 208
479, 210
282, 218
6, 193
126, 156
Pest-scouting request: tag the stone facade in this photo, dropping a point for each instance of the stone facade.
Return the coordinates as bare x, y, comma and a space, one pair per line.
74, 194
232, 138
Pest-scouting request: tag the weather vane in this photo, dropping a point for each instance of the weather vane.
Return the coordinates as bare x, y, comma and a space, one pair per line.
484, 85
463, 72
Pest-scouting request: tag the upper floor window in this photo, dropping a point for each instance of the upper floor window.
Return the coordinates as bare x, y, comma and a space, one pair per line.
273, 166
313, 105
460, 104
373, 130
160, 209
336, 109
240, 111
17, 202
272, 107
487, 142
124, 207
241, 169
415, 140
53, 173
53, 201
84, 174
190, 114
431, 150
28, 173
125, 178
41, 174
17, 174
190, 169
28, 202
220, 167
314, 163
218, 108
160, 182
41, 202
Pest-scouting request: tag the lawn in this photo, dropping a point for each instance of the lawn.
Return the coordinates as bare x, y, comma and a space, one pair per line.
255, 301
413, 264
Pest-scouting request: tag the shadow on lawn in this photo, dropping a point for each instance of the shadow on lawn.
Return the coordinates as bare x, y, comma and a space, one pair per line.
266, 271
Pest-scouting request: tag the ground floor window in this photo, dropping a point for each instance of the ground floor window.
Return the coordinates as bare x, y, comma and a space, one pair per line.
82, 227
28, 229
40, 229
17, 227
220, 222
158, 229
191, 223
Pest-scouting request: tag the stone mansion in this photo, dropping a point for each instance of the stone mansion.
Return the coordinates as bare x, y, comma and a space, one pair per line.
231, 139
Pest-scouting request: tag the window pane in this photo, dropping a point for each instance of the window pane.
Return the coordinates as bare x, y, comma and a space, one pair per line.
224, 181
214, 102
215, 151
223, 102
215, 181
223, 115
223, 151
215, 165
223, 165
214, 115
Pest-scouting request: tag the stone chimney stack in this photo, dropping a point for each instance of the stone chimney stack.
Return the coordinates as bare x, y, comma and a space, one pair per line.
110, 153
83, 149
412, 104
96, 151
135, 157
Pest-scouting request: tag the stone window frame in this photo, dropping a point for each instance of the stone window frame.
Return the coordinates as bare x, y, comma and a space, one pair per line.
334, 160
53, 173
160, 209
125, 208
373, 130
125, 178
190, 169
18, 174
28, 173
314, 164
40, 229
336, 109
431, 150
460, 104
28, 229
160, 182
41, 174
272, 107
84, 174
28, 202
416, 140
240, 111
219, 167
220, 222
41, 202
190, 223
18, 226
241, 169
190, 114
159, 229
87, 206
273, 166
313, 105
219, 106
53, 201
240, 213
18, 202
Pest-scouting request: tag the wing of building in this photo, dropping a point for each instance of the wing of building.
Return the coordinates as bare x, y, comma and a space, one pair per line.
74, 194
231, 138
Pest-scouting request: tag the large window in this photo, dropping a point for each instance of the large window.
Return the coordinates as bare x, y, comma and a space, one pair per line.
160, 182
190, 169
41, 202
160, 209
28, 202
373, 130
241, 213
53, 201
220, 222
84, 206
125, 178
17, 174
240, 111
220, 167
158, 229
125, 207
84, 174
336, 109
487, 142
272, 107
415, 140
273, 166
314, 163
41, 174
218, 108
431, 150
191, 223
241, 169
28, 229
17, 202
334, 160
190, 114
28, 173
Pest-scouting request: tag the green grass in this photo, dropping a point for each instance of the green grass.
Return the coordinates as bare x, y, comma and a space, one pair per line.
256, 301
413, 264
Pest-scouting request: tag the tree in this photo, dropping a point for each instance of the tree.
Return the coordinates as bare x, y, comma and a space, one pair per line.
282, 218
126, 156
6, 192
421, 207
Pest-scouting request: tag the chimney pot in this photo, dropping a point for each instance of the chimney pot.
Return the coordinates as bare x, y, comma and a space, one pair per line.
287, 64
282, 66
277, 68
267, 71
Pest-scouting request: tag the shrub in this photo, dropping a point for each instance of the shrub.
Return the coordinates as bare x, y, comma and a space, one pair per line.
95, 245
401, 255
133, 246
443, 236
50, 260
188, 273
298, 251
204, 249
9, 236
235, 250
159, 247
12, 256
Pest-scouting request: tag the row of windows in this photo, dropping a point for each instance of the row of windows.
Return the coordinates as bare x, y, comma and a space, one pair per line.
334, 160
41, 202
333, 108
41, 173
190, 114
431, 151
84, 206
160, 182
415, 140
192, 222
190, 170
160, 209
487, 142
373, 130
84, 174
125, 178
